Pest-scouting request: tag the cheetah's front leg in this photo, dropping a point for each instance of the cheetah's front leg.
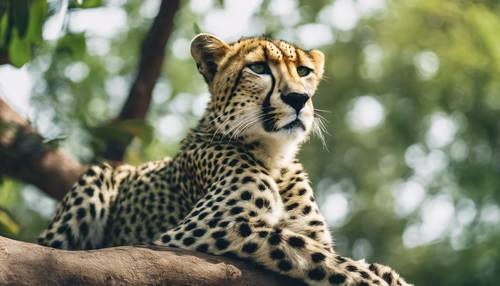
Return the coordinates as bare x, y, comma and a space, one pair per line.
305, 218
243, 219
303, 212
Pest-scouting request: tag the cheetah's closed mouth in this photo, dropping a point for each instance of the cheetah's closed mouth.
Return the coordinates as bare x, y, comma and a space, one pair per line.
297, 123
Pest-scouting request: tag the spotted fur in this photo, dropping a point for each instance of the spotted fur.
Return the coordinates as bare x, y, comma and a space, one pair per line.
235, 188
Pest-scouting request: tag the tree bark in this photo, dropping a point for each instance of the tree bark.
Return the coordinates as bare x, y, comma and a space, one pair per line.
4, 59
25, 156
151, 60
24, 263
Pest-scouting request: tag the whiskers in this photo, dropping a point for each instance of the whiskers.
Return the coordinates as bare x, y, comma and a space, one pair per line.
231, 129
319, 126
243, 123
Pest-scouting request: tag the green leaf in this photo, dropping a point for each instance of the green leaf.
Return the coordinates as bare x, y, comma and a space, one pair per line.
4, 26
19, 50
20, 15
7, 224
85, 4
196, 28
73, 45
119, 131
38, 15
54, 142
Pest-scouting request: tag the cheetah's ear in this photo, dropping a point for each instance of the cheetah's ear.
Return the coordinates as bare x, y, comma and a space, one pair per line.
319, 61
208, 50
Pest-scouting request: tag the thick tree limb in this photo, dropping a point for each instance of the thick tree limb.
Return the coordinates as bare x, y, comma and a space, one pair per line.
24, 156
24, 263
151, 60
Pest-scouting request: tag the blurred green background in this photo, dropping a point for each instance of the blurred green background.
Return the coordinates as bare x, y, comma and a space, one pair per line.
411, 173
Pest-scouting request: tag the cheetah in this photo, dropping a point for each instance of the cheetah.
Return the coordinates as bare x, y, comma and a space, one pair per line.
235, 187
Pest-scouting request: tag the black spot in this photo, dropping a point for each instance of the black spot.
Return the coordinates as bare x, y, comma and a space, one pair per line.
202, 247
230, 254
90, 173
284, 265
249, 247
188, 241
317, 274
202, 215
274, 239
221, 243
244, 230
259, 203
62, 229
365, 275
296, 241
78, 201
89, 191
292, 206
388, 277
199, 232
231, 202
179, 235
277, 254
318, 257
337, 279
165, 238
219, 234
191, 226
80, 213
92, 210
213, 222
84, 229
246, 195
263, 233
236, 210
56, 244
352, 268
364, 284
340, 259
67, 217
247, 180
315, 222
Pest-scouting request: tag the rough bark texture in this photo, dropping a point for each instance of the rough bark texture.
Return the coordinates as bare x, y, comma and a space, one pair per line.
24, 263
151, 60
25, 156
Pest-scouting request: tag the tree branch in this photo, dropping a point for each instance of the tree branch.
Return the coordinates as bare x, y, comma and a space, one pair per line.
24, 156
3, 58
24, 263
151, 60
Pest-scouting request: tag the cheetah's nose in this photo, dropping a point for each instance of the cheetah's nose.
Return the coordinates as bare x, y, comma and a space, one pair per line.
295, 100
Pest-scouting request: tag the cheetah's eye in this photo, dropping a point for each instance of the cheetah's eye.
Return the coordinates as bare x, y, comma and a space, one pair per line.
303, 71
259, 68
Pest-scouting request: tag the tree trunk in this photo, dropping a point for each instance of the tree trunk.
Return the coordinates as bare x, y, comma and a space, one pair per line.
24, 263
151, 61
25, 156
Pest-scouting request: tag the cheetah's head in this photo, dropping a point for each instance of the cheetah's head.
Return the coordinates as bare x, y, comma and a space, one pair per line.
261, 88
